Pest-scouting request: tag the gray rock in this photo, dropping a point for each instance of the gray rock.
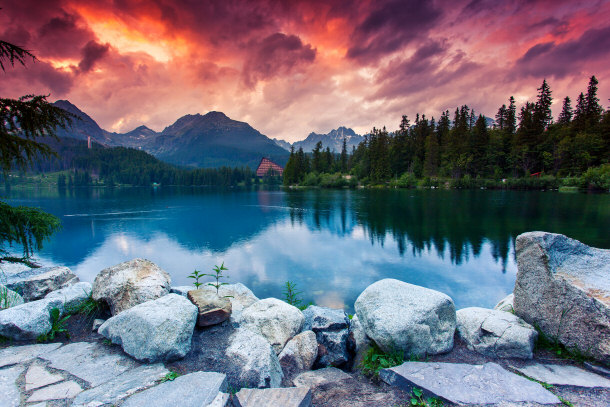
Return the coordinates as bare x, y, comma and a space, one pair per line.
192, 390
358, 342
71, 297
130, 283
29, 320
59, 391
285, 397
34, 284
321, 377
221, 400
299, 354
331, 327
324, 319
212, 309
467, 384
275, 320
506, 304
122, 386
90, 361
159, 330
563, 375
597, 369
37, 376
9, 390
563, 287
9, 298
496, 334
96, 324
21, 354
403, 317
241, 297
253, 359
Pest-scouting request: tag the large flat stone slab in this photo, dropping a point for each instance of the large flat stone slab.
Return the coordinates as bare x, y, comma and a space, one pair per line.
285, 397
64, 390
92, 362
191, 390
37, 376
563, 375
122, 386
9, 391
467, 384
20, 354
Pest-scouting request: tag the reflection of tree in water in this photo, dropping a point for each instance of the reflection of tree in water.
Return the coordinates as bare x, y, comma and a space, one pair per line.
453, 223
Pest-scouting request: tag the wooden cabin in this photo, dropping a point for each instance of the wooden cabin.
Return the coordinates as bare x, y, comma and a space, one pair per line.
267, 165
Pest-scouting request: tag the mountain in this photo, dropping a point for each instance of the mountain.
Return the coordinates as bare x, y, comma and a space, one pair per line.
332, 139
83, 126
284, 144
210, 140
213, 140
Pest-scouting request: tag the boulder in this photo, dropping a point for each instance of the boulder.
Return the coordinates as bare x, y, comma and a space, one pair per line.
159, 330
496, 334
29, 320
331, 327
285, 397
275, 320
212, 309
196, 389
298, 355
403, 317
506, 304
357, 342
130, 283
71, 297
9, 298
563, 288
253, 360
460, 383
33, 284
241, 297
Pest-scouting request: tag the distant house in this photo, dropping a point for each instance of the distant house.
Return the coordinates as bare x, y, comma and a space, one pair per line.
267, 166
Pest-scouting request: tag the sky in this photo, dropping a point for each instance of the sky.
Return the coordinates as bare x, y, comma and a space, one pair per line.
292, 67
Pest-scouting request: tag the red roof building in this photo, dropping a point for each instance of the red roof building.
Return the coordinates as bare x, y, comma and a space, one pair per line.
267, 165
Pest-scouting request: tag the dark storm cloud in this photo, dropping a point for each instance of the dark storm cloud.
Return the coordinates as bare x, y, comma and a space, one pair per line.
92, 52
275, 54
421, 71
560, 60
389, 26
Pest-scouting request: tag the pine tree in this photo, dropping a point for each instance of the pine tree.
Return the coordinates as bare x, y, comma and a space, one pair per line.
22, 123
317, 159
344, 156
565, 117
543, 116
511, 116
580, 113
592, 109
500, 123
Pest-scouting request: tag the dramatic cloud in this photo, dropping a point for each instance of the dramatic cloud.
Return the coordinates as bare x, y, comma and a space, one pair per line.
289, 68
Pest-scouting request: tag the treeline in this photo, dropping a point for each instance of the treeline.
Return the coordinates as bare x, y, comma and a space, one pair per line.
121, 165
463, 145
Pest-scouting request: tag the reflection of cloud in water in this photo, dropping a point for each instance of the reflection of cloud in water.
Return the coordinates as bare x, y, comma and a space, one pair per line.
315, 260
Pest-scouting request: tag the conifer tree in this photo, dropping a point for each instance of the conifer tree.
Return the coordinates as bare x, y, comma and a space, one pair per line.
565, 117
23, 123
593, 110
344, 156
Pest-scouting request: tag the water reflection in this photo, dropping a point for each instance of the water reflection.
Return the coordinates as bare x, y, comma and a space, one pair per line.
331, 243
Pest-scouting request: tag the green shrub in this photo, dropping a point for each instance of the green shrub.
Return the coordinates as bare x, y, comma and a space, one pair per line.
406, 180
597, 178
375, 359
311, 180
57, 326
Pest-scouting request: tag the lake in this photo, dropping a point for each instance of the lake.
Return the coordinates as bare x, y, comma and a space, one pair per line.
331, 243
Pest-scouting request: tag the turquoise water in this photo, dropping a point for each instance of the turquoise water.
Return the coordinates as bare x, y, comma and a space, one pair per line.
331, 243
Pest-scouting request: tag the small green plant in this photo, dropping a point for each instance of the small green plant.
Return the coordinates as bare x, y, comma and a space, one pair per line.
57, 326
291, 294
90, 308
417, 399
217, 276
375, 359
196, 275
350, 316
171, 376
107, 342
564, 401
